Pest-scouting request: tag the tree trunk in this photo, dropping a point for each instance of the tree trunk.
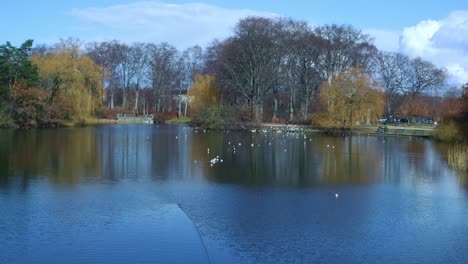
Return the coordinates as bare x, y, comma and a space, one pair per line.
137, 94
103, 83
291, 107
180, 108
306, 110
389, 105
158, 105
125, 95
368, 117
258, 112
169, 105
111, 103
275, 107
187, 100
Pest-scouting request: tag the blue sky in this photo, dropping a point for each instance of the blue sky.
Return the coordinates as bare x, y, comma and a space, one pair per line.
48, 19
435, 30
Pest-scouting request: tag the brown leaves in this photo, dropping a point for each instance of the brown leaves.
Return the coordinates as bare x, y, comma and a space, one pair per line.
350, 98
30, 104
204, 92
73, 81
414, 106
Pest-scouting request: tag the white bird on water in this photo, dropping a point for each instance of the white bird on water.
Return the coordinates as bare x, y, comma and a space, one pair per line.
336, 195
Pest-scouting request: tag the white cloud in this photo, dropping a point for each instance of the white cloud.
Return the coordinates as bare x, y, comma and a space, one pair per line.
417, 40
443, 42
182, 25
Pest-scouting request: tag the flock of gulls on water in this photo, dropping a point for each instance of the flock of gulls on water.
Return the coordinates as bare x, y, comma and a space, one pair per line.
297, 134
285, 134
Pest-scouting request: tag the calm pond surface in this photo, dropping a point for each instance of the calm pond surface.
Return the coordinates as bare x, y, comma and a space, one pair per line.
148, 194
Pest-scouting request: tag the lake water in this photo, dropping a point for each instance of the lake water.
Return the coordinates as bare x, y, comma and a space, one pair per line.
149, 194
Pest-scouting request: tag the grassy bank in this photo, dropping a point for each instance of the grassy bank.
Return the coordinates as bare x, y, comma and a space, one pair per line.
179, 121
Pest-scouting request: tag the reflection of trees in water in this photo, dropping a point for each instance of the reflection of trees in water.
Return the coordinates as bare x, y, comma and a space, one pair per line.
178, 153
350, 160
421, 161
6, 147
62, 155
199, 143
294, 160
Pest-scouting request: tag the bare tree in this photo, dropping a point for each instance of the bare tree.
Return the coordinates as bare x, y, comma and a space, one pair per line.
423, 76
96, 50
192, 59
138, 68
109, 55
162, 72
346, 48
391, 74
305, 49
251, 60
125, 72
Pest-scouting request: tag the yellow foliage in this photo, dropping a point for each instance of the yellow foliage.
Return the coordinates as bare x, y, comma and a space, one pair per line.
74, 78
204, 92
350, 98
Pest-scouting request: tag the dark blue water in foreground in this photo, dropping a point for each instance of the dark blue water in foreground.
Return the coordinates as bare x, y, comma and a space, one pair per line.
148, 194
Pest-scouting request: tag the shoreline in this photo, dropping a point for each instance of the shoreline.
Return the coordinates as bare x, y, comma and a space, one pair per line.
369, 130
424, 132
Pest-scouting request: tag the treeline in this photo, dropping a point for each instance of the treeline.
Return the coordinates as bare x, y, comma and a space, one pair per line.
53, 89
268, 70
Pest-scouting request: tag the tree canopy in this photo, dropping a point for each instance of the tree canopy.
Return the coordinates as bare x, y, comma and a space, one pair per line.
73, 77
267, 69
351, 98
16, 66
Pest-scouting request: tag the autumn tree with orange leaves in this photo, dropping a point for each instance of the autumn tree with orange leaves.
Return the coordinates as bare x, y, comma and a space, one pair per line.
204, 99
204, 92
351, 98
73, 78
415, 106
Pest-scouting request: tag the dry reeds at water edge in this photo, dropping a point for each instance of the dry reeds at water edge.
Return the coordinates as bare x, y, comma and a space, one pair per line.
458, 157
